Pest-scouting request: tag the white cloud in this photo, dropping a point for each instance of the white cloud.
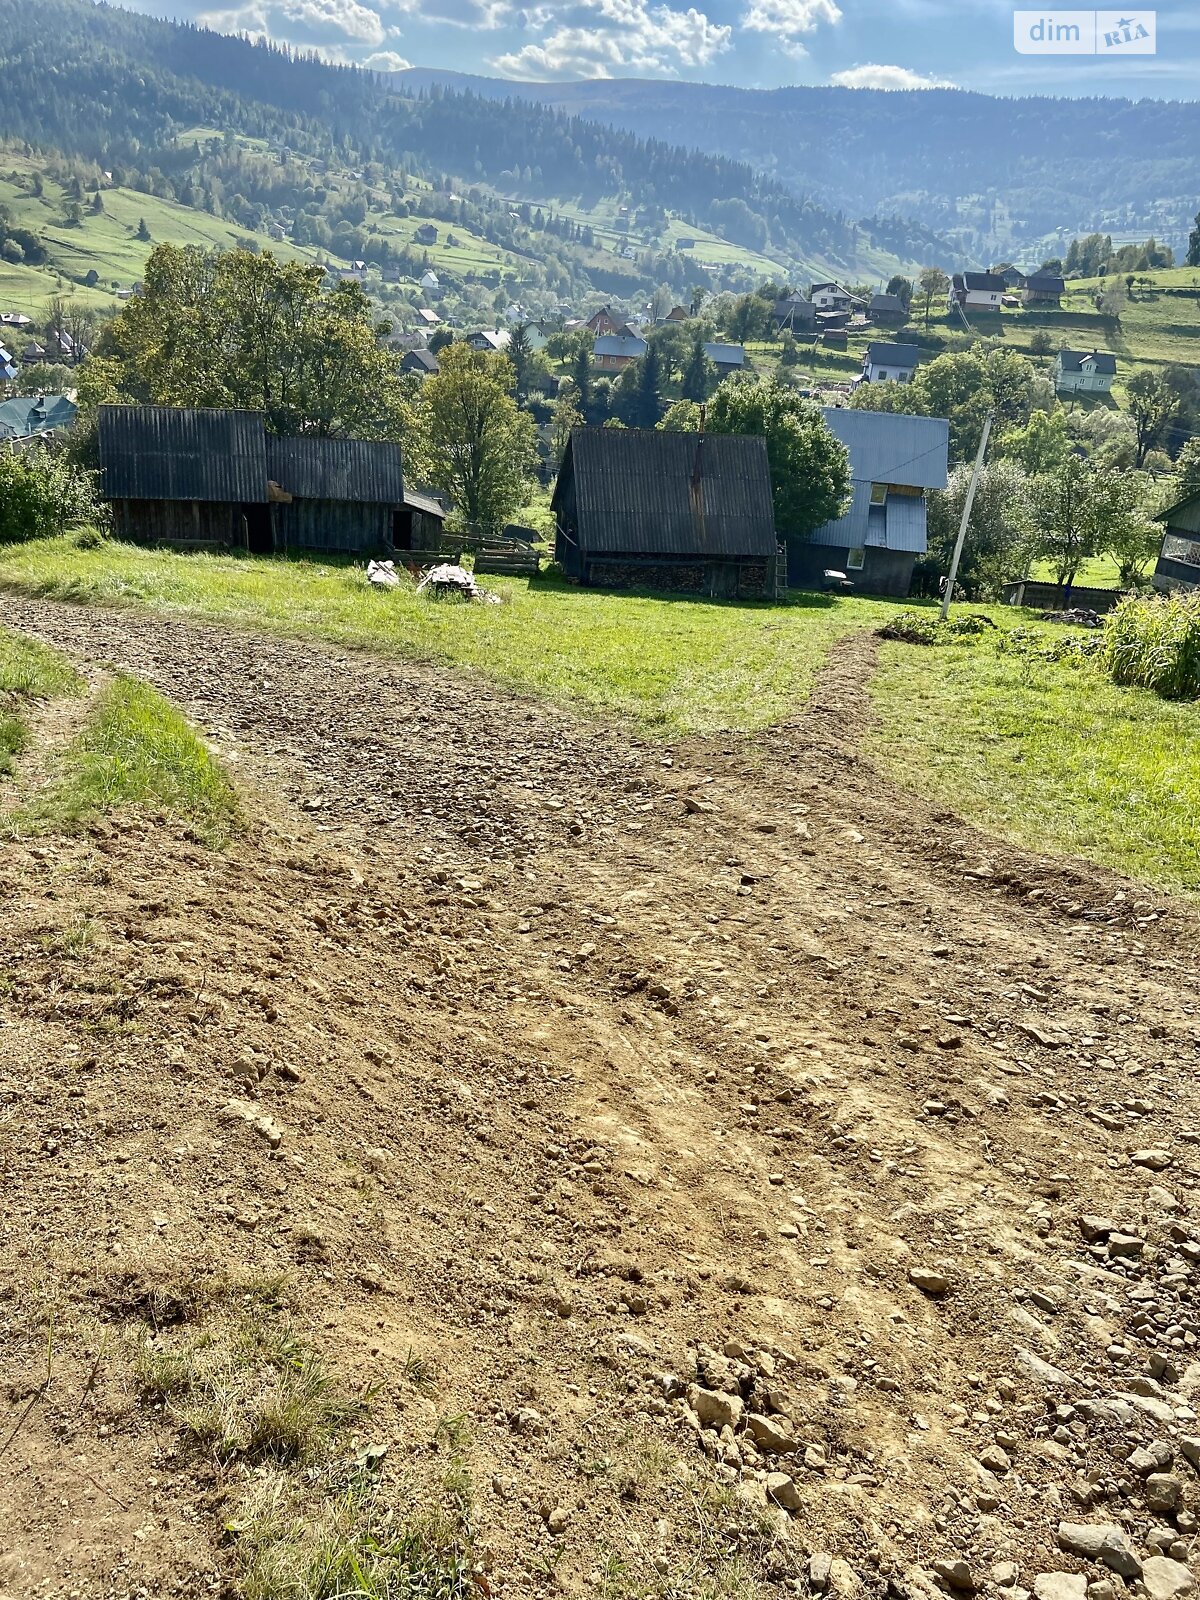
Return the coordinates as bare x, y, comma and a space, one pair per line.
874, 76
598, 38
787, 20
487, 14
302, 22
386, 61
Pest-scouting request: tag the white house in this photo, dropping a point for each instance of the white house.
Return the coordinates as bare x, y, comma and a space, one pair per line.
977, 291
489, 339
890, 363
429, 280
1084, 371
830, 297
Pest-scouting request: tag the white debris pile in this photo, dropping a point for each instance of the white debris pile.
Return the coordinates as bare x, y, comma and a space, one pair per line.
450, 582
383, 574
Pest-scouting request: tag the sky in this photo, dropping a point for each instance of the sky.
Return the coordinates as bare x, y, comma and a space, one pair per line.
767, 44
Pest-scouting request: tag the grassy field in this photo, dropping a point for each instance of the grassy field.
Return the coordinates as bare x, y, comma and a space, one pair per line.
1050, 755
106, 242
136, 749
28, 672
678, 665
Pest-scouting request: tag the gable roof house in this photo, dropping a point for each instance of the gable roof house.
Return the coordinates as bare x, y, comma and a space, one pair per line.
36, 417
1084, 371
613, 351
423, 362
894, 462
489, 339
204, 477
426, 234
794, 313
602, 321
1178, 565
888, 309
977, 291
726, 357
688, 512
1013, 277
1043, 289
830, 297
890, 363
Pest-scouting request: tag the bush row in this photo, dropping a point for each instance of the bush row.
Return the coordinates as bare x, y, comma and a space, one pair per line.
42, 494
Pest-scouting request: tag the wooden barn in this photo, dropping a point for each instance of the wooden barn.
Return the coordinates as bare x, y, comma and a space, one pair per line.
690, 512
200, 478
186, 476
1178, 565
339, 495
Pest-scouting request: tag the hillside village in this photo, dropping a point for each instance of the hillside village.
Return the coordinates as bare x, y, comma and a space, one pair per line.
599, 855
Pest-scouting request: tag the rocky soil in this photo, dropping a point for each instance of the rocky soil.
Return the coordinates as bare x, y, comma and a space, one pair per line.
794, 1189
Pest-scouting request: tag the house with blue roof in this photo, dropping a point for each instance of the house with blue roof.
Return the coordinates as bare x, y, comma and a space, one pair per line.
34, 417
894, 462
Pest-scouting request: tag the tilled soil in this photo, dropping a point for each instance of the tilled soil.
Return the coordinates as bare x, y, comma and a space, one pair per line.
631, 1085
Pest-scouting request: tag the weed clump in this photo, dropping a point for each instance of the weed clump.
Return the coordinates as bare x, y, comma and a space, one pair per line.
1154, 643
927, 627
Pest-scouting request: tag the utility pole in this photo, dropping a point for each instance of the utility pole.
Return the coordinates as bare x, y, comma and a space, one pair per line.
966, 517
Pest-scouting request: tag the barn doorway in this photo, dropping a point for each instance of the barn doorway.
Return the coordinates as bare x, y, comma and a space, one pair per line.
260, 541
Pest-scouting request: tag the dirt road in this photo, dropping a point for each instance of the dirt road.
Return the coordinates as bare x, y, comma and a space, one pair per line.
591, 1054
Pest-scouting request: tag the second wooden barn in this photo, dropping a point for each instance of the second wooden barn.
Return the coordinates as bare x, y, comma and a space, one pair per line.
341, 495
691, 512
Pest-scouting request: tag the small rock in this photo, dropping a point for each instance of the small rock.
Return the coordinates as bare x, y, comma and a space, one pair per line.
929, 1280
1156, 1457
1093, 1228
771, 1434
819, 1566
1165, 1578
1125, 1244
814, 1458
1163, 1492
1100, 1541
558, 1519
1157, 1160
783, 1491
1060, 1586
715, 1410
1004, 1574
1102, 1589
995, 1459
267, 1128
956, 1574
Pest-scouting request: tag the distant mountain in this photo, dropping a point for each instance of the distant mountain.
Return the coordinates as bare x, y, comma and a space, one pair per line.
999, 175
117, 88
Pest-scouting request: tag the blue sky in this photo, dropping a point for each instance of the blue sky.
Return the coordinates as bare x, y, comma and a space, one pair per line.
752, 43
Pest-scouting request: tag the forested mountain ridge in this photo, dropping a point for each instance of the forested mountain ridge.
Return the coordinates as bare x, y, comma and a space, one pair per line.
118, 88
996, 173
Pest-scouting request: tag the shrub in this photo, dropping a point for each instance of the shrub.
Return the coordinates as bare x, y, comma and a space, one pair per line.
42, 494
1154, 643
927, 627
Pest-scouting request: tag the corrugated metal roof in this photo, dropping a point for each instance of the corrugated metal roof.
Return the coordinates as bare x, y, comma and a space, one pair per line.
893, 449
167, 453
881, 354
428, 503
362, 470
726, 355
906, 523
659, 493
24, 418
849, 530
619, 344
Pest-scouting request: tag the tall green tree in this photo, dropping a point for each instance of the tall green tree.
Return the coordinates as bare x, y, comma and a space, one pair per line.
1193, 249
996, 550
810, 467
933, 284
649, 389
239, 328
1080, 510
1152, 404
698, 374
471, 439
1187, 468
521, 358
